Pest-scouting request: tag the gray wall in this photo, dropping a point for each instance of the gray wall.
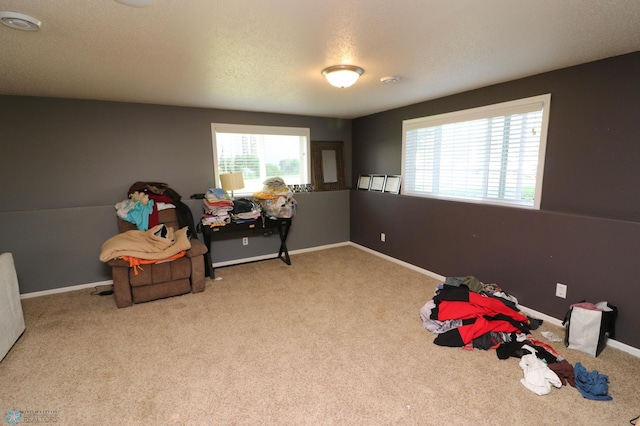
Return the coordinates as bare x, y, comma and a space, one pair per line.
587, 232
65, 163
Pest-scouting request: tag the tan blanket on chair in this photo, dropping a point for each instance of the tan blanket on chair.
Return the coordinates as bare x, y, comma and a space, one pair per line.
148, 244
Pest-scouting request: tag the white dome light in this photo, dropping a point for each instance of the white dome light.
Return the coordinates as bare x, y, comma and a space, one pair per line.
20, 21
342, 75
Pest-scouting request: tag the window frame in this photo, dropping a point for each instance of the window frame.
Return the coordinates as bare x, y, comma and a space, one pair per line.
261, 130
501, 109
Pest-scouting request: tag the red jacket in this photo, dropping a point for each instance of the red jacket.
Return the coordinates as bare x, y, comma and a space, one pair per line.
480, 315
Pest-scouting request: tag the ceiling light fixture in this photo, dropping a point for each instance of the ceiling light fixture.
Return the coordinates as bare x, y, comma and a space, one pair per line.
342, 75
20, 21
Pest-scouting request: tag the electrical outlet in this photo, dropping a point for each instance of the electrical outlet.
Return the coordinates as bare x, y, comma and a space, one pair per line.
561, 290
245, 241
383, 237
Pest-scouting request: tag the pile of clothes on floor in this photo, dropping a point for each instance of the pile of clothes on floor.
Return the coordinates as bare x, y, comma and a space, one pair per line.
544, 367
468, 313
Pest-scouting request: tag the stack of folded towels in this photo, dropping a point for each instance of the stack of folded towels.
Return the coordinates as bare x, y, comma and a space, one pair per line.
217, 207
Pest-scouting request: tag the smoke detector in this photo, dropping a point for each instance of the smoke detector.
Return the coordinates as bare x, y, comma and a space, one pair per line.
392, 79
20, 21
136, 3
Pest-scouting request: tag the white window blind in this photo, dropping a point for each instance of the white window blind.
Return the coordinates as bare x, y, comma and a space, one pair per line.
492, 154
261, 152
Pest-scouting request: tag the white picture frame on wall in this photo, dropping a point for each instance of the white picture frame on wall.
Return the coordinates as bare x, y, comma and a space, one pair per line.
392, 184
364, 181
377, 183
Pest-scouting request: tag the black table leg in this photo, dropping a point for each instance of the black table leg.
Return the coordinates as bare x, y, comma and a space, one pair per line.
283, 231
208, 265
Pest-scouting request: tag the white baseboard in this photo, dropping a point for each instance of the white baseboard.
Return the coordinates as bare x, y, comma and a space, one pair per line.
65, 289
215, 265
318, 248
532, 313
539, 315
274, 255
400, 262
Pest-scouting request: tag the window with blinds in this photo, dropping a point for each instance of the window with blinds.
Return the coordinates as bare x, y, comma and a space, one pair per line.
260, 153
492, 154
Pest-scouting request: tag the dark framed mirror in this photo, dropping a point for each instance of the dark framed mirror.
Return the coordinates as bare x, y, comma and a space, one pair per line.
327, 165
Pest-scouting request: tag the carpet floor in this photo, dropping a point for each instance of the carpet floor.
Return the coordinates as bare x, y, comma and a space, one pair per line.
333, 339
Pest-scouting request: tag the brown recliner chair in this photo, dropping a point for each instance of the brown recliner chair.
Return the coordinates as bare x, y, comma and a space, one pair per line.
159, 280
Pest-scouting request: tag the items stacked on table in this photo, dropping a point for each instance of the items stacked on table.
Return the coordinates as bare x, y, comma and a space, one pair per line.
245, 210
276, 199
220, 209
217, 207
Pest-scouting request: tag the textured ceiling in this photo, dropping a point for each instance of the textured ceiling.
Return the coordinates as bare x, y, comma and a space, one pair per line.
266, 55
